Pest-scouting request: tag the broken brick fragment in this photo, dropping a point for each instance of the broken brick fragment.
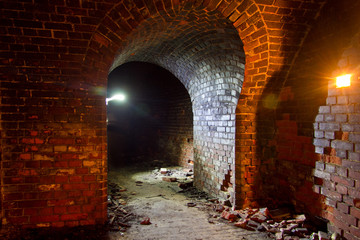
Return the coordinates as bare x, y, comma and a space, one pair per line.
323, 236
300, 218
279, 236
264, 211
279, 214
169, 179
229, 215
163, 171
258, 217
145, 221
243, 224
185, 185
253, 224
219, 208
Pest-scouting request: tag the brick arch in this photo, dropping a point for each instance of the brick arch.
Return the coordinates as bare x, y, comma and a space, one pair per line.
134, 38
287, 24
272, 33
124, 17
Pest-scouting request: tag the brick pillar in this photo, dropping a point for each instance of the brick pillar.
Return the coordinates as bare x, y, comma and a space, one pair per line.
337, 142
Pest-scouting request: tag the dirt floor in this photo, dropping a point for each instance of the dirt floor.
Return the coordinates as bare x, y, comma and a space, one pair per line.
174, 213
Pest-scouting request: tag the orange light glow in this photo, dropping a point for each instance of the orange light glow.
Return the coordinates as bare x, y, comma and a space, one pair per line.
343, 81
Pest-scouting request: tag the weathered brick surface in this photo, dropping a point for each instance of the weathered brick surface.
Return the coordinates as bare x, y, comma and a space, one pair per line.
255, 71
53, 140
340, 184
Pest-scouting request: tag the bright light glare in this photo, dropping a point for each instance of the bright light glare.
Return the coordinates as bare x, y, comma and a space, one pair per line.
118, 97
343, 81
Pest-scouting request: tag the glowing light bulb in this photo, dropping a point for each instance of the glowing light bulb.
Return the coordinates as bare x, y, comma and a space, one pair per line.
118, 97
343, 81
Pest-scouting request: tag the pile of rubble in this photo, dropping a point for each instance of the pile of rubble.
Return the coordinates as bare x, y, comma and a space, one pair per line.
279, 223
174, 175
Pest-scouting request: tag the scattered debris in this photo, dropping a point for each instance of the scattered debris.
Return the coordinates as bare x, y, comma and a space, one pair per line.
229, 215
286, 227
279, 214
117, 214
280, 223
182, 175
323, 236
139, 183
185, 185
145, 221
219, 208
169, 179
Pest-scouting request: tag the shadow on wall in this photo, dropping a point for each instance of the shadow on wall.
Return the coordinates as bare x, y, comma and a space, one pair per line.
285, 137
155, 121
285, 118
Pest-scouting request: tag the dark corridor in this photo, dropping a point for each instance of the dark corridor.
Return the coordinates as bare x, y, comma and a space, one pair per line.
155, 119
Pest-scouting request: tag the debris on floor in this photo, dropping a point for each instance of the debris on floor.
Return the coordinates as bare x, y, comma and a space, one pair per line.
145, 221
279, 224
181, 175
118, 216
139, 183
191, 204
169, 179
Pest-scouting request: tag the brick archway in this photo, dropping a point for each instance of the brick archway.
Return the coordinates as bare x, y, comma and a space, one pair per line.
270, 45
187, 39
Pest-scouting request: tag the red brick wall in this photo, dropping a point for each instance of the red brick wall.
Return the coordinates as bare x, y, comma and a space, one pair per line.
337, 171
53, 164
